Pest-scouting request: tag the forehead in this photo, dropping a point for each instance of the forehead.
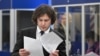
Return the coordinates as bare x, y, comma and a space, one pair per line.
44, 16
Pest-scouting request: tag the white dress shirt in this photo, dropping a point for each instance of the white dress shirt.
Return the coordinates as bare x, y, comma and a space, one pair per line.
38, 34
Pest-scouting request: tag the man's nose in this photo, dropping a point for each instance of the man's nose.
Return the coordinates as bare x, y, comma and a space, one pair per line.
43, 23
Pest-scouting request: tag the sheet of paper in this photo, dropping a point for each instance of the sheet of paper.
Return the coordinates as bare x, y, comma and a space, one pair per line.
91, 54
33, 46
50, 41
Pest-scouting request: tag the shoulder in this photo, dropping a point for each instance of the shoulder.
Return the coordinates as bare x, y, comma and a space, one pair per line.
28, 29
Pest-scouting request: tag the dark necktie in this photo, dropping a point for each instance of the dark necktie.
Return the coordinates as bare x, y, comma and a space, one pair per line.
42, 32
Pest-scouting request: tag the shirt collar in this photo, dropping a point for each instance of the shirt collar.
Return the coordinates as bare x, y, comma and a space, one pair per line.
38, 30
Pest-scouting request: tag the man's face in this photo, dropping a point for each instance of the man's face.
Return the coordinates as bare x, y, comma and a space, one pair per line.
90, 42
44, 22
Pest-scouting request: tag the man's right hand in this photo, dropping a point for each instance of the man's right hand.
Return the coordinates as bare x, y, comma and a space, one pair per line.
23, 52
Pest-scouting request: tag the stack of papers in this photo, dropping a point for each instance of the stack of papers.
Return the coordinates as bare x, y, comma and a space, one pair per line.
33, 46
49, 41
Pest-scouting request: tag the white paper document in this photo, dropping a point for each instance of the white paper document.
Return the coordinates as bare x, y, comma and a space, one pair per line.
91, 54
50, 41
33, 46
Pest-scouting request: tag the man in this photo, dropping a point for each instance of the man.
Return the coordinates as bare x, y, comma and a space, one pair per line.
93, 46
43, 17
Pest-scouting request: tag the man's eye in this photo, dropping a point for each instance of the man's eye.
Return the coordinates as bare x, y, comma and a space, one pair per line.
46, 20
40, 20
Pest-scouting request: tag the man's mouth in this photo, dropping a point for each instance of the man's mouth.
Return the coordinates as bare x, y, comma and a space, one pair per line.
43, 27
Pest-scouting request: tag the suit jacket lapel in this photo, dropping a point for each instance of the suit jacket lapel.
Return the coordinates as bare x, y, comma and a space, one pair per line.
33, 32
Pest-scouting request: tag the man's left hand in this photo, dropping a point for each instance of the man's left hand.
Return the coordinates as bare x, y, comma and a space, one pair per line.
54, 53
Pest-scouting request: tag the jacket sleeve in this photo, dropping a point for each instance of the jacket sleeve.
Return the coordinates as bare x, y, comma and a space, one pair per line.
18, 45
62, 46
62, 49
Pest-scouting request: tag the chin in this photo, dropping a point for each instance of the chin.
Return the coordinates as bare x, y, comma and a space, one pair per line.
44, 29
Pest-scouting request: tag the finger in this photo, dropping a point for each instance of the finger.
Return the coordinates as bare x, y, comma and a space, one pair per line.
28, 53
23, 52
51, 54
55, 53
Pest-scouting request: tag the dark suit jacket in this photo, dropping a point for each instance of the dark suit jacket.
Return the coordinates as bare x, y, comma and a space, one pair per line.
31, 32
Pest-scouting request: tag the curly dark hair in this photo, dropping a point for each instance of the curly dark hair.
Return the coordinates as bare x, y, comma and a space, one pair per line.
91, 35
44, 9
